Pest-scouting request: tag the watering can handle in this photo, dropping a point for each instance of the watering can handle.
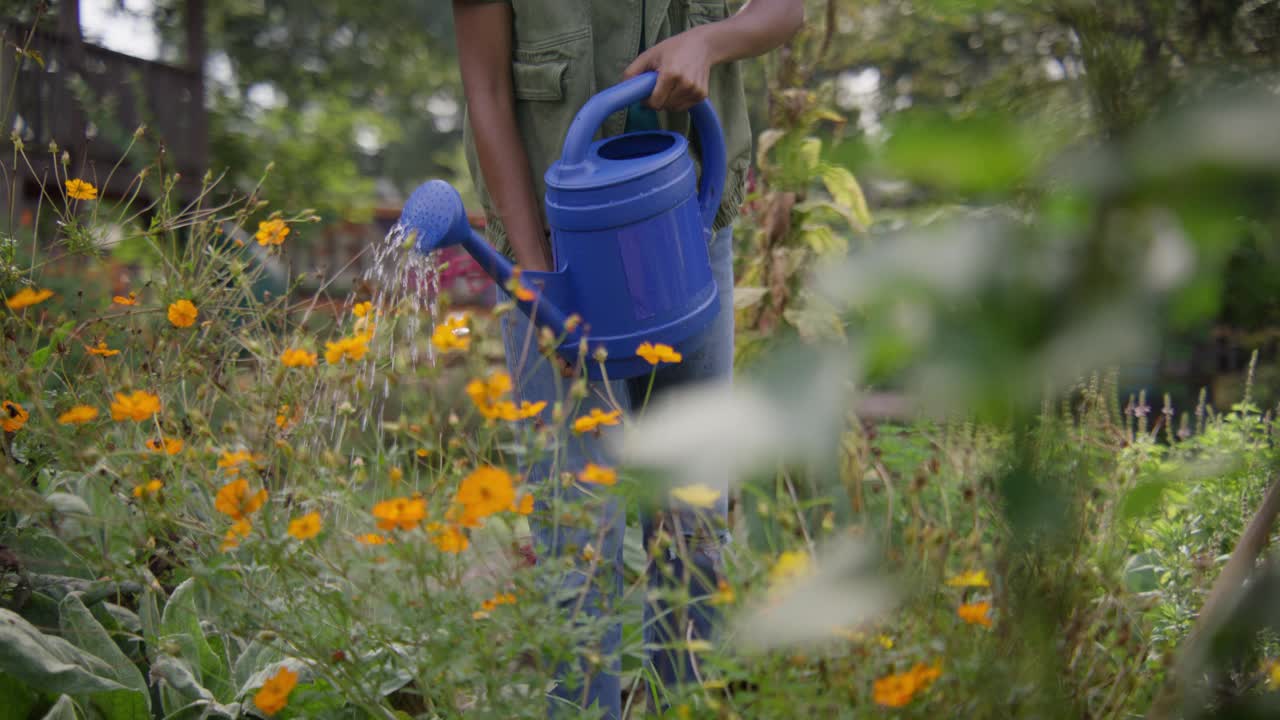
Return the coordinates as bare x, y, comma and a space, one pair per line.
705, 123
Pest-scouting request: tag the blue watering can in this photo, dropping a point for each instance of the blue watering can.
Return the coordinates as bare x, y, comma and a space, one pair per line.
630, 223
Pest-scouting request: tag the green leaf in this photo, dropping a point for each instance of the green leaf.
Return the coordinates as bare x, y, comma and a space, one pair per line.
50, 663
40, 357
1144, 499
180, 623
846, 191
823, 239
64, 709
970, 155
15, 697
80, 627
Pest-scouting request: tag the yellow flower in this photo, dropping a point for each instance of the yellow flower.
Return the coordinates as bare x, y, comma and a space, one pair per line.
102, 350
372, 539
150, 489
523, 506
402, 512
596, 475
132, 299
970, 578
697, 495
422, 452
271, 232
1272, 670
659, 353
285, 420
238, 531
790, 565
297, 357
976, 613
234, 500
595, 419
78, 414
361, 309
449, 538
486, 491
447, 337
12, 416
183, 314
351, 348
168, 446
231, 461
898, 689
305, 527
724, 594
136, 406
78, 189
274, 693
487, 393
26, 297
395, 474
885, 641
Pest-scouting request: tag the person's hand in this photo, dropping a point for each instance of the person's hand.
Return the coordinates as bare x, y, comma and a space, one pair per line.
683, 63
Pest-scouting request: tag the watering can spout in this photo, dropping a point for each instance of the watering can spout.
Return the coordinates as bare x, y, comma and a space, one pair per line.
436, 215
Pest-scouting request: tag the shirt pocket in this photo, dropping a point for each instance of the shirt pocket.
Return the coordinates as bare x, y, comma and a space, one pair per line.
702, 12
551, 77
540, 69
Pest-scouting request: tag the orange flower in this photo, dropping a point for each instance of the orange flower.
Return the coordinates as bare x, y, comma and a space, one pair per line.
168, 446
485, 491
234, 500
271, 232
372, 539
232, 461
284, 420
361, 309
976, 613
77, 415
659, 353
274, 693
351, 348
452, 335
150, 489
597, 475
898, 689
297, 357
12, 416
26, 297
488, 394
523, 506
238, 531
305, 527
448, 538
595, 419
78, 189
183, 314
137, 406
122, 300
402, 512
102, 350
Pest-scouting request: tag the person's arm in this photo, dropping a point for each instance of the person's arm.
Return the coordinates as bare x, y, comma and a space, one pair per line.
684, 61
483, 32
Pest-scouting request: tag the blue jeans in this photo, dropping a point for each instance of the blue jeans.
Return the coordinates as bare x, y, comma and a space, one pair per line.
691, 559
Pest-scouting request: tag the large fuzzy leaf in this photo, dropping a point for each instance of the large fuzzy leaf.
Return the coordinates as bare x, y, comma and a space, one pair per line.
182, 694
50, 663
81, 628
180, 624
64, 709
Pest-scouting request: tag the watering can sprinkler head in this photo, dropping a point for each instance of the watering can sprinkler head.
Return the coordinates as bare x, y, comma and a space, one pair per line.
436, 214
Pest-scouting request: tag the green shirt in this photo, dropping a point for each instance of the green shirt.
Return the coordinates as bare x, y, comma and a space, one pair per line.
564, 51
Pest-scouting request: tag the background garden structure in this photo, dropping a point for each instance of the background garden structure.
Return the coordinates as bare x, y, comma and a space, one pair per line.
1001, 437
